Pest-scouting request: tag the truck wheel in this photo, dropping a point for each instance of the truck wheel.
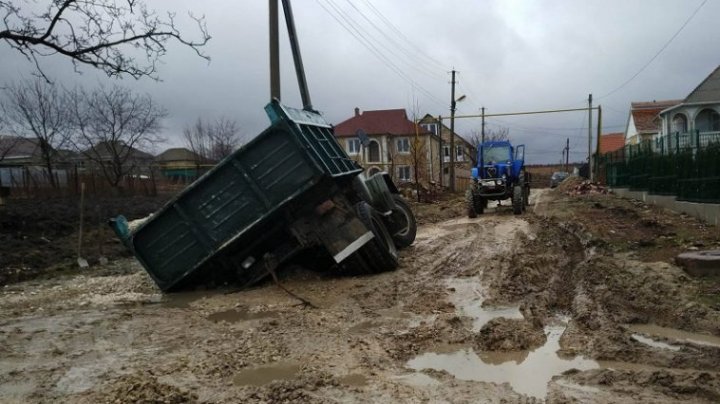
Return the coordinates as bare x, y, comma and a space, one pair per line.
480, 204
517, 199
405, 226
380, 253
470, 204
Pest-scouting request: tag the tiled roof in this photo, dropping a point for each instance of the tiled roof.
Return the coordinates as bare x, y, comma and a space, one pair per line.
708, 90
611, 142
17, 147
646, 114
384, 121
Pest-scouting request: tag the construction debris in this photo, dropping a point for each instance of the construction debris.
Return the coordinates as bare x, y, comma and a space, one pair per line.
586, 187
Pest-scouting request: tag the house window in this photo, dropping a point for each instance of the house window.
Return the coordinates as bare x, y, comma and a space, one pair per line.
353, 146
374, 152
459, 153
403, 145
403, 173
446, 153
679, 123
430, 127
708, 121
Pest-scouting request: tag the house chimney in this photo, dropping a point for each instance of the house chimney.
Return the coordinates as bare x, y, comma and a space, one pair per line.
357, 111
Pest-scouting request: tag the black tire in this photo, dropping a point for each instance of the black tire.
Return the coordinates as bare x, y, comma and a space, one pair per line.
380, 253
517, 199
479, 203
404, 226
470, 204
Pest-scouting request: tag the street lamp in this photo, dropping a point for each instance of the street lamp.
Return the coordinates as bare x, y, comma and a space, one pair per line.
452, 135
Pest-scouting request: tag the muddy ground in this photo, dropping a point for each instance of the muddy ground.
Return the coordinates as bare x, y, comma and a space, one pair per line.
576, 301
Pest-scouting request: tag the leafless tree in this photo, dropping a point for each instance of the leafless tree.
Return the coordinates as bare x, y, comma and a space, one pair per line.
97, 33
418, 158
212, 141
491, 135
36, 109
112, 126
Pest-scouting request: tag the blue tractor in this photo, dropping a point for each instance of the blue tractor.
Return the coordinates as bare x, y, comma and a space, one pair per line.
499, 174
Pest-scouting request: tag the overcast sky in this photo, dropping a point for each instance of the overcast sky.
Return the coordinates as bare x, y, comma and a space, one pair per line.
510, 56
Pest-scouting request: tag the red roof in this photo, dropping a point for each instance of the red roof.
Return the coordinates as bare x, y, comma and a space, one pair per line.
646, 114
611, 142
384, 121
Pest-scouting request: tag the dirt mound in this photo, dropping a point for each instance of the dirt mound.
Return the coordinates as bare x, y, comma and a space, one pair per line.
502, 334
569, 183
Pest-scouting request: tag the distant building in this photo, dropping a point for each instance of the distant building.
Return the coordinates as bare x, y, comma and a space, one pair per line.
465, 152
698, 113
22, 163
644, 122
611, 142
181, 164
396, 144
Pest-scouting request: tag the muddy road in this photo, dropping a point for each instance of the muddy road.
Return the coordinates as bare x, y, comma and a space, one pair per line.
549, 306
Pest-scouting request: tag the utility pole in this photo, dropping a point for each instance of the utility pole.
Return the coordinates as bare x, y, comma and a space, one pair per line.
567, 154
482, 127
440, 153
274, 51
452, 133
590, 170
597, 148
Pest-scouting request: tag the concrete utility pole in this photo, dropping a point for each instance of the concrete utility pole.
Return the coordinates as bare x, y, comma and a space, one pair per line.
590, 170
452, 133
440, 153
274, 51
482, 127
597, 148
567, 154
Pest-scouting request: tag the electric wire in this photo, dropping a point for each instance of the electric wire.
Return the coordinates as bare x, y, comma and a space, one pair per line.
657, 53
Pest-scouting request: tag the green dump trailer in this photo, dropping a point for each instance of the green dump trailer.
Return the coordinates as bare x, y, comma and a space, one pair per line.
292, 189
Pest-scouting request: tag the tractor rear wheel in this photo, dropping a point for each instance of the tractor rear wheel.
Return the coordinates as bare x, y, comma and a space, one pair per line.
470, 204
517, 200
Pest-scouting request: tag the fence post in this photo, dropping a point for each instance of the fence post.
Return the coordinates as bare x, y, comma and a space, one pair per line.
677, 142
697, 139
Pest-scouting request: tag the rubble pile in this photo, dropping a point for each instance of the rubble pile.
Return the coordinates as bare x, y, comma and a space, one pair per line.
586, 187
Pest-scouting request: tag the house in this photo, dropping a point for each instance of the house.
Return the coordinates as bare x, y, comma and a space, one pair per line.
698, 113
644, 122
181, 164
395, 145
465, 152
611, 142
22, 163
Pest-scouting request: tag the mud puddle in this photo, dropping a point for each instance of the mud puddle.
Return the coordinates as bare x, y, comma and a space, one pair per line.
527, 372
653, 343
263, 375
354, 379
675, 334
468, 296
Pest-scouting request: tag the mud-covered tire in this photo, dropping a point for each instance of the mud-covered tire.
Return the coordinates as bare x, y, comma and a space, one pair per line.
517, 200
470, 204
480, 204
404, 234
380, 253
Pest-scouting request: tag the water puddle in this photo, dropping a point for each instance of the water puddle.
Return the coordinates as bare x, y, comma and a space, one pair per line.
577, 387
184, 300
237, 315
266, 374
675, 334
529, 375
354, 379
468, 299
655, 344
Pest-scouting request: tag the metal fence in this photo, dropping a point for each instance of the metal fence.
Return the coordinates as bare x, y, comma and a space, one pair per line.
686, 165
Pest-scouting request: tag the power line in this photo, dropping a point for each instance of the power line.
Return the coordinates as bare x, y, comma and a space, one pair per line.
658, 52
402, 36
420, 66
350, 27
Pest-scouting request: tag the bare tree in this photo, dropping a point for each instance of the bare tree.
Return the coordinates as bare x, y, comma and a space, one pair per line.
491, 135
111, 127
97, 33
418, 158
36, 109
212, 141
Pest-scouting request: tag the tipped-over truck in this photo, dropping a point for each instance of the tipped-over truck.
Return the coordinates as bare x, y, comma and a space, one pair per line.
498, 175
290, 192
